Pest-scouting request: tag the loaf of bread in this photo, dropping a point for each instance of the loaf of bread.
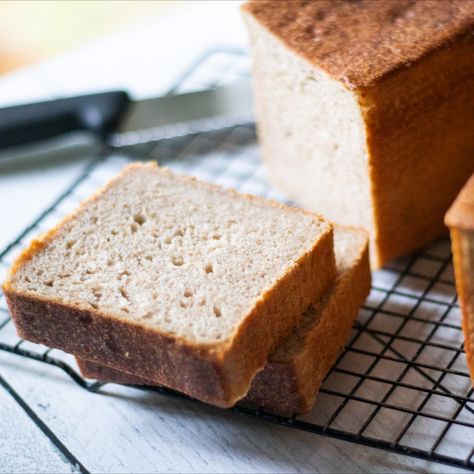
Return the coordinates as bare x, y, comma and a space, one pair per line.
365, 110
460, 220
175, 280
294, 372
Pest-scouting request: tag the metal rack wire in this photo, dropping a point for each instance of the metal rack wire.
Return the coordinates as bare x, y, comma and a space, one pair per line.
401, 384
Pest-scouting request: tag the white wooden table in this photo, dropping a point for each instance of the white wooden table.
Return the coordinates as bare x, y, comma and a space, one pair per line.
48, 423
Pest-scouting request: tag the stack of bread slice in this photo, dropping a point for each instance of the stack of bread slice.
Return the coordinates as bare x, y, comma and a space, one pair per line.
160, 279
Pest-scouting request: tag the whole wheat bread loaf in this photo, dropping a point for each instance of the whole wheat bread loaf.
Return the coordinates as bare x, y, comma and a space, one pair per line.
175, 280
460, 220
294, 372
365, 110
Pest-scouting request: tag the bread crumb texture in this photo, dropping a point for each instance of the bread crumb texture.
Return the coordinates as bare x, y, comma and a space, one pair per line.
183, 257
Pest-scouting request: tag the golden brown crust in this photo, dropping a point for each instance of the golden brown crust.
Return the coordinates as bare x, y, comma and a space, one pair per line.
125, 345
460, 219
361, 42
289, 384
461, 213
93, 370
429, 108
462, 242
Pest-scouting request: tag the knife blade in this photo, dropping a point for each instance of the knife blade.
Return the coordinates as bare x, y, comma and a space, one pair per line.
233, 100
113, 120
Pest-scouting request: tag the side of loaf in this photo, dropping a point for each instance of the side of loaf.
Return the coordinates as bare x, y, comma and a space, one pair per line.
365, 111
174, 280
294, 372
460, 220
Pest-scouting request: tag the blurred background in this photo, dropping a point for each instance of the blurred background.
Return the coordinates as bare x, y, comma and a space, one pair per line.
32, 30
140, 46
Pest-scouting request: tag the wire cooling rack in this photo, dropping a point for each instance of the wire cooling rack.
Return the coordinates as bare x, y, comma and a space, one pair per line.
401, 384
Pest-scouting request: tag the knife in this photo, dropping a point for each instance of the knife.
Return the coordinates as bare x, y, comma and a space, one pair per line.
115, 120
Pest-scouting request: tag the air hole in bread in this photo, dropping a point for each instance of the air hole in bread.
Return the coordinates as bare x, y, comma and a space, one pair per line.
124, 273
217, 311
216, 236
49, 283
134, 227
183, 304
86, 349
177, 261
139, 219
167, 240
110, 262
188, 293
149, 258
70, 243
40, 272
97, 293
202, 302
209, 268
124, 293
179, 233
91, 268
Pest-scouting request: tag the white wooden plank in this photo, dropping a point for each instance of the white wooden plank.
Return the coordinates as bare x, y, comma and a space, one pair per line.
23, 446
133, 431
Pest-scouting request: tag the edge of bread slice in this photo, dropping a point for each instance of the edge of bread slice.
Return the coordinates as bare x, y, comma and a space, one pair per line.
217, 371
294, 372
460, 220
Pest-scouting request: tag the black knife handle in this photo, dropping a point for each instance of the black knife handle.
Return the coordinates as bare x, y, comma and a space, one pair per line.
97, 113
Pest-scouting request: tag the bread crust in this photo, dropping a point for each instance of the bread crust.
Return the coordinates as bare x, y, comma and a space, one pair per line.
320, 347
391, 35
461, 214
217, 373
460, 219
290, 381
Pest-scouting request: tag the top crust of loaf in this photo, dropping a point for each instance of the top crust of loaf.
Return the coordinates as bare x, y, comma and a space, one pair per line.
461, 213
360, 42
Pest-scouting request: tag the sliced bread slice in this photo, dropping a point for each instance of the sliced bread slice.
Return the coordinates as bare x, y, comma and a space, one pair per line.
460, 220
175, 280
296, 369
